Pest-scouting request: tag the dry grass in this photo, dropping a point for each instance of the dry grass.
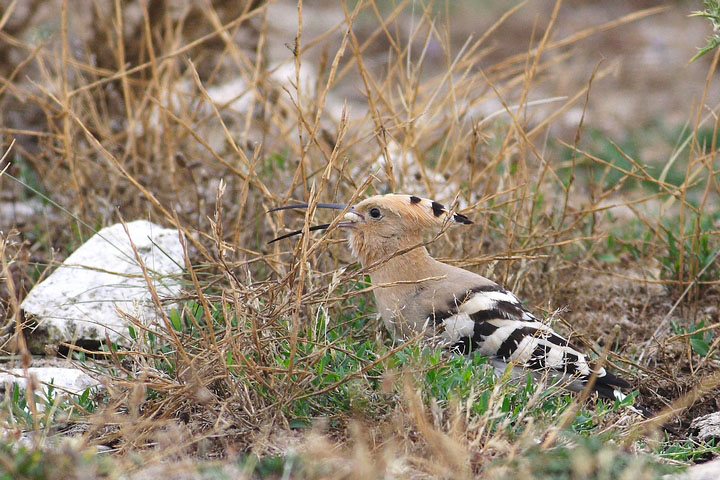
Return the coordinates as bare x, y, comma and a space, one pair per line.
112, 113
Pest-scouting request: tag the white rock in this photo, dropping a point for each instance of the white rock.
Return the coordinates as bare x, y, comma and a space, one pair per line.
284, 75
703, 471
409, 177
708, 426
70, 379
80, 300
233, 95
18, 213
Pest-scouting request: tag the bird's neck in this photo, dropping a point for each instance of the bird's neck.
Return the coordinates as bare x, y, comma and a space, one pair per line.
398, 285
417, 264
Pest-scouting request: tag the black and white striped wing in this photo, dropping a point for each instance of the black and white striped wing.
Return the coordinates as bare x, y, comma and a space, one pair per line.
492, 320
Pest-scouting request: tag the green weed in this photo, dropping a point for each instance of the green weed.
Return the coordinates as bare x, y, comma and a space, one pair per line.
582, 457
712, 13
691, 254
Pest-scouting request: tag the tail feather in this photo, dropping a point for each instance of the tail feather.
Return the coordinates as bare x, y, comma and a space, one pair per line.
605, 390
607, 387
611, 379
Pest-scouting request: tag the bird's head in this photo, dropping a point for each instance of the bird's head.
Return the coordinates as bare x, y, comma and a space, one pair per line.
382, 225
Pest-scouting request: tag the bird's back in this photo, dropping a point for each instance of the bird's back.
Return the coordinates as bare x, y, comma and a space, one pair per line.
467, 312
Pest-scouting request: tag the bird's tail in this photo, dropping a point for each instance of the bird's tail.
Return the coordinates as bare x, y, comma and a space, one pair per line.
608, 387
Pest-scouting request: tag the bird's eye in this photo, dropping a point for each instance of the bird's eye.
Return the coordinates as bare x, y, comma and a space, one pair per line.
374, 212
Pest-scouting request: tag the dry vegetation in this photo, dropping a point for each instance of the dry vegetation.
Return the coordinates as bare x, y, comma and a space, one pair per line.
121, 109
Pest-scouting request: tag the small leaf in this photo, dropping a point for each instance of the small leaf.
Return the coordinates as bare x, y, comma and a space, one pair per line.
712, 44
299, 423
608, 258
700, 346
628, 400
175, 320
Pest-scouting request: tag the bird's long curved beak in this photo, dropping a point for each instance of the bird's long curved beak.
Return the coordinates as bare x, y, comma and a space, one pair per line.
349, 220
298, 232
334, 206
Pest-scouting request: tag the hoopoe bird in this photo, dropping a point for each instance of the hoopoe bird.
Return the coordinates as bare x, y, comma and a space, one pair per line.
463, 310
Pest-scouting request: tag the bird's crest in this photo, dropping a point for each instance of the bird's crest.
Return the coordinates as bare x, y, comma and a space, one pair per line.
425, 212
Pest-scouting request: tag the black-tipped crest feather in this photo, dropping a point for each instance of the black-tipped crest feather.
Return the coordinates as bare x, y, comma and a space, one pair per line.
460, 218
438, 208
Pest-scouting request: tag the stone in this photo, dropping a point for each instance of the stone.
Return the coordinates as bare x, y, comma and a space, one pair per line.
16, 213
704, 471
707, 427
410, 177
70, 379
81, 301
